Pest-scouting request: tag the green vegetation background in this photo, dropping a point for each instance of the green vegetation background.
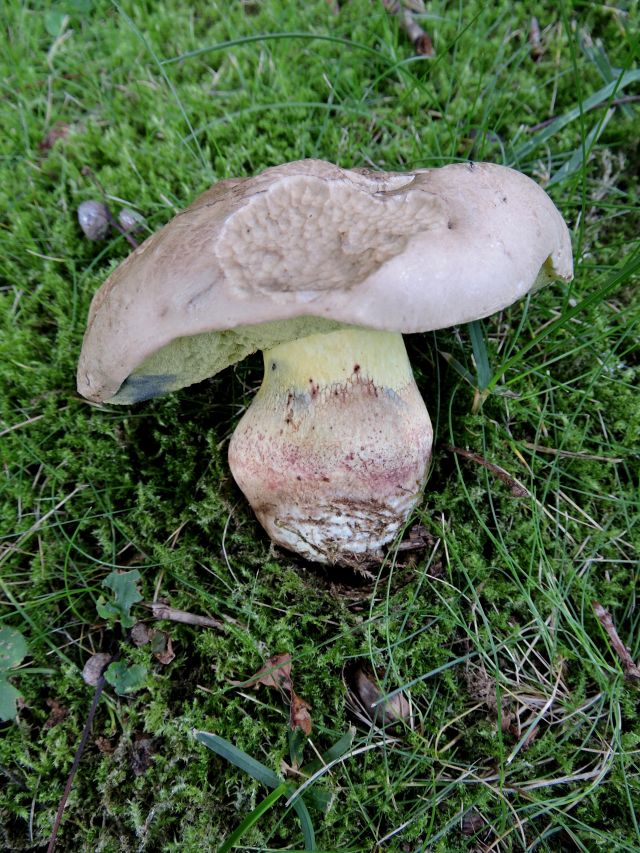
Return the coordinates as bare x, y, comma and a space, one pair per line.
526, 732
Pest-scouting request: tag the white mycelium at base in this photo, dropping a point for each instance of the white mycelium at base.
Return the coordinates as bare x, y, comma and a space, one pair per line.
333, 451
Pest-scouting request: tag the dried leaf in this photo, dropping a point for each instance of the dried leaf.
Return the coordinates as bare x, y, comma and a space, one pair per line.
368, 694
418, 538
424, 45
300, 717
162, 647
275, 673
161, 644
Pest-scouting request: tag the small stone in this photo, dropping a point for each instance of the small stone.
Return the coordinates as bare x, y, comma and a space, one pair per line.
94, 219
130, 220
94, 668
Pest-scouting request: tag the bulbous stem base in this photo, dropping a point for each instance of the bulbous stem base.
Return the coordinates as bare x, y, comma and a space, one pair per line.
332, 453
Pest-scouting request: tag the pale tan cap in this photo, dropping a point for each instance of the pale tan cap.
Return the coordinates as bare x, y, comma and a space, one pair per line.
308, 247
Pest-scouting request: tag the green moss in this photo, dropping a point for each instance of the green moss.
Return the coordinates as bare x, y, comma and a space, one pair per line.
504, 588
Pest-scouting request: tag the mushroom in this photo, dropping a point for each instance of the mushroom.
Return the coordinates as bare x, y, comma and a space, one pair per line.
322, 269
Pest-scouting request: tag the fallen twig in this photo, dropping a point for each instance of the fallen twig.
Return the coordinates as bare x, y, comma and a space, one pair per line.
420, 39
631, 670
163, 611
76, 762
518, 490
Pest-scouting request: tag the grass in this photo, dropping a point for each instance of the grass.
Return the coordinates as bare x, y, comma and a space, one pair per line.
526, 734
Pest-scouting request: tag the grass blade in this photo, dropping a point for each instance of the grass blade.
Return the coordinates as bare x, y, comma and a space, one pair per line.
340, 746
305, 822
260, 37
336, 751
261, 773
578, 159
480, 354
590, 103
460, 369
628, 270
225, 749
252, 818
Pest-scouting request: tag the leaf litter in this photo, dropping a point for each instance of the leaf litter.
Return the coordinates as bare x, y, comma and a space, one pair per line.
276, 674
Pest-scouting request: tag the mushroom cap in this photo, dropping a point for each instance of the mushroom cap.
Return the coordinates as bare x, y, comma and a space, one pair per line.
308, 247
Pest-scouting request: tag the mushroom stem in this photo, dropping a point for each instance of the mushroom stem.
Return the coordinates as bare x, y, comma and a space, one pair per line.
332, 453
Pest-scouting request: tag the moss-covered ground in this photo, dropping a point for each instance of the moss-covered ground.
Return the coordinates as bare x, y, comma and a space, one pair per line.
526, 733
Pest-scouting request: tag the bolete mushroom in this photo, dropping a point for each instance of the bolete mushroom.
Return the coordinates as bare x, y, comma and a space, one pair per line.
322, 268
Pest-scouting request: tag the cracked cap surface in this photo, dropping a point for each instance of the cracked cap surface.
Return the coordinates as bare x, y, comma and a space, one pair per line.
308, 247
